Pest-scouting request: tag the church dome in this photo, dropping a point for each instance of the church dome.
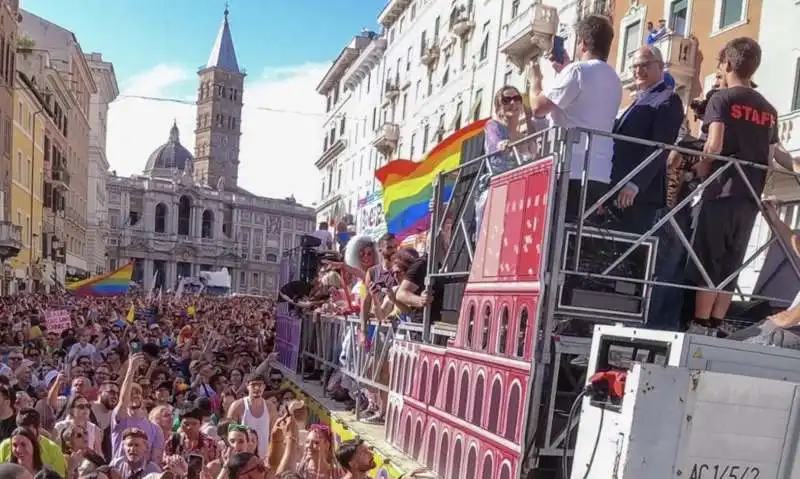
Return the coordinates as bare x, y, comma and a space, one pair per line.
170, 156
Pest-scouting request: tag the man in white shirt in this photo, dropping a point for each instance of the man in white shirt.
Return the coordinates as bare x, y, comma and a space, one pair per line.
585, 94
325, 236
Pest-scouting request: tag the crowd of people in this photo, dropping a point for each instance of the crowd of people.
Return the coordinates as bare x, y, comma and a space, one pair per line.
172, 387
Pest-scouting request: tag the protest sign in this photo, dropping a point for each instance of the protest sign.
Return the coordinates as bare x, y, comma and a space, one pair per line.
57, 320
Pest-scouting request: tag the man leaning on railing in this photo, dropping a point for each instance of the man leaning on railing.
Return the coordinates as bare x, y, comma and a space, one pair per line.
741, 124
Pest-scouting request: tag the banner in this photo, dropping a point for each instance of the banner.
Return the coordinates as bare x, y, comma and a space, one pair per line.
57, 320
371, 221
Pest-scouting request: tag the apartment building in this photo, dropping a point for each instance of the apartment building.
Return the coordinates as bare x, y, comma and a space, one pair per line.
69, 61
433, 69
10, 234
96, 205
698, 29
27, 193
351, 88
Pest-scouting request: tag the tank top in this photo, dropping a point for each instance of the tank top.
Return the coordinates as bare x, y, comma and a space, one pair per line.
259, 424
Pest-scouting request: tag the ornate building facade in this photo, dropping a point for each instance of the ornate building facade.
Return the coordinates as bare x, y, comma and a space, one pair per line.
186, 214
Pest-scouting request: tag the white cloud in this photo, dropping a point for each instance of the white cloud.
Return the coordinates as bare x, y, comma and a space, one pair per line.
278, 148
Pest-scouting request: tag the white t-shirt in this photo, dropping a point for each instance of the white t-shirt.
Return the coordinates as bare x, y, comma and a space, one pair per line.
588, 94
326, 237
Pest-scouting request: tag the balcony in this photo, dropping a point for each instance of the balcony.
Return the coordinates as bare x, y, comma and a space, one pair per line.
10, 240
680, 57
461, 24
330, 152
391, 91
60, 178
430, 57
789, 132
529, 34
386, 138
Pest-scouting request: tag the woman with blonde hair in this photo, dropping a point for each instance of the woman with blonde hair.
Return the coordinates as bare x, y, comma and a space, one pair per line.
503, 129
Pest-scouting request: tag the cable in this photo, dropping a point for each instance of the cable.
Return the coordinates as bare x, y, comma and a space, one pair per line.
570, 418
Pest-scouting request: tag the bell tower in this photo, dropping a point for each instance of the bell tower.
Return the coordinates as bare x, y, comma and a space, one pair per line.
219, 114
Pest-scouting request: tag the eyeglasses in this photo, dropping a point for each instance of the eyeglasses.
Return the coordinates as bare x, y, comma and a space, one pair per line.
507, 100
641, 65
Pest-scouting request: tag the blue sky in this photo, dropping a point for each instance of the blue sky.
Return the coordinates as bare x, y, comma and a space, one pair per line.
157, 46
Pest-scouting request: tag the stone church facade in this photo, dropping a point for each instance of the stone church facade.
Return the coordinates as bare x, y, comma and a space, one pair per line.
186, 213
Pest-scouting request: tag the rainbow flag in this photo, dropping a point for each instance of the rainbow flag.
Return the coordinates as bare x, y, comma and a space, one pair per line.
115, 283
408, 185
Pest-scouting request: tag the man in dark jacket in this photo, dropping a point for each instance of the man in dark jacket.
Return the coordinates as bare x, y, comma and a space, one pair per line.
656, 115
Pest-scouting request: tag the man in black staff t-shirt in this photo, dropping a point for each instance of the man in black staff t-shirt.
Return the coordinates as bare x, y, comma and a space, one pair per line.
412, 291
741, 124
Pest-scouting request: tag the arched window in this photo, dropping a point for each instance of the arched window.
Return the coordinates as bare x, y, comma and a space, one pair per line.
271, 258
522, 332
470, 325
472, 459
431, 448
434, 384
407, 435
423, 383
161, 218
505, 472
184, 215
512, 411
207, 229
450, 394
488, 468
463, 394
495, 401
502, 333
418, 439
477, 406
487, 316
455, 469
443, 454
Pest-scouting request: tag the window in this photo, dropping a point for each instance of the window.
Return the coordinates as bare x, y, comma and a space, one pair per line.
485, 43
514, 9
436, 30
476, 107
487, 316
411, 151
413, 11
408, 59
423, 43
161, 218
470, 326
502, 334
796, 95
633, 39
507, 77
730, 12
403, 106
425, 132
678, 11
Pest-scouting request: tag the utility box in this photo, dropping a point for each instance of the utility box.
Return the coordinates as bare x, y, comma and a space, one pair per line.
678, 423
618, 348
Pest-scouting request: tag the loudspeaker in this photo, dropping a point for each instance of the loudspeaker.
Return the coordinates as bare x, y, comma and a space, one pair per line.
308, 241
309, 265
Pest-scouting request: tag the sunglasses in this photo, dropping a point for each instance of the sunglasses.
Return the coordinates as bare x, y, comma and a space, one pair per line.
507, 100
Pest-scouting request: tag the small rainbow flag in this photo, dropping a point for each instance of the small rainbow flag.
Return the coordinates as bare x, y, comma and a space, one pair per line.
115, 283
408, 185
